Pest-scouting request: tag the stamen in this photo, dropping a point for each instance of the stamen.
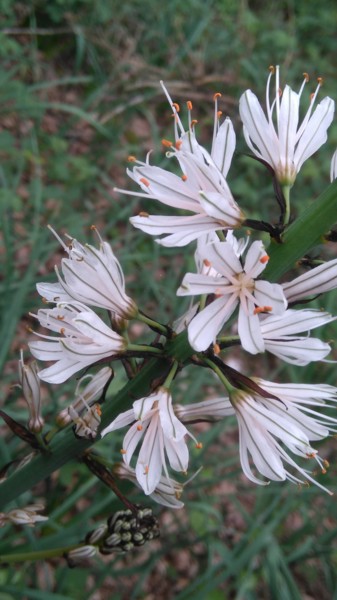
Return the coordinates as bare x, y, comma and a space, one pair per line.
176, 106
207, 262
143, 214
216, 349
60, 317
122, 451
199, 445
264, 259
139, 427
145, 181
306, 77
320, 80
167, 143
98, 409
219, 113
189, 105
178, 144
62, 331
131, 158
184, 177
193, 123
262, 309
271, 69
146, 470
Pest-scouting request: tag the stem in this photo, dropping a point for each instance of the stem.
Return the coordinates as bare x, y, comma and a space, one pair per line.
153, 324
143, 348
229, 387
286, 194
38, 554
171, 375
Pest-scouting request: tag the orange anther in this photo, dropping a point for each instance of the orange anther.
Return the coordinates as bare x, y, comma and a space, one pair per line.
326, 463
198, 445
139, 427
216, 349
194, 122
143, 214
323, 471
320, 80
264, 259
271, 68
98, 409
217, 95
312, 95
176, 106
167, 143
62, 331
146, 470
145, 181
262, 309
178, 144
207, 262
93, 227
122, 451
189, 105
60, 318
306, 77
131, 158
184, 177
219, 113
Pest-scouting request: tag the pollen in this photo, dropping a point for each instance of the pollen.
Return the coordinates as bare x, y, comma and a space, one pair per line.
217, 95
264, 259
167, 143
189, 105
306, 77
184, 177
139, 427
176, 106
145, 181
143, 214
131, 158
198, 445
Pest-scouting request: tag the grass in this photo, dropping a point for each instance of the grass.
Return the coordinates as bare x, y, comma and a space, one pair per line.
79, 92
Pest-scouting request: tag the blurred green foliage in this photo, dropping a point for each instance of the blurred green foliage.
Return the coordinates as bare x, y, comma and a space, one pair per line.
79, 92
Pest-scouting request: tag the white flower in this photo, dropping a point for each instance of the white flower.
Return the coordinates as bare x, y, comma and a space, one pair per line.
267, 425
82, 341
92, 276
86, 395
23, 516
236, 285
153, 420
316, 281
201, 189
167, 492
285, 145
333, 167
280, 335
30, 384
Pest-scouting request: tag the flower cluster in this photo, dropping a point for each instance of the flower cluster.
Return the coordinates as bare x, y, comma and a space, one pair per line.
237, 304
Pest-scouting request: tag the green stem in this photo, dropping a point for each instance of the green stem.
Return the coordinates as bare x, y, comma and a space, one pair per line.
143, 348
229, 387
286, 194
171, 375
153, 324
38, 554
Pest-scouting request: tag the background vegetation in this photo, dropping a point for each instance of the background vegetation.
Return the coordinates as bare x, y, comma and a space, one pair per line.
79, 92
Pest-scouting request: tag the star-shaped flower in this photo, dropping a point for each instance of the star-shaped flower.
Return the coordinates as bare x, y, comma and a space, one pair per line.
236, 285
